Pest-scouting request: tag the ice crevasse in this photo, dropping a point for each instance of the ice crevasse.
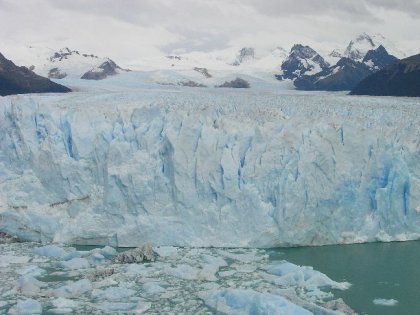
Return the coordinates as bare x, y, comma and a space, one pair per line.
189, 169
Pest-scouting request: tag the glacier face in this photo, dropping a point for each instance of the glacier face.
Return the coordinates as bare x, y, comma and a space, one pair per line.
209, 168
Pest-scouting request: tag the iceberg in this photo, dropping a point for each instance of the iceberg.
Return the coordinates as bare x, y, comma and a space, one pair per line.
202, 169
237, 301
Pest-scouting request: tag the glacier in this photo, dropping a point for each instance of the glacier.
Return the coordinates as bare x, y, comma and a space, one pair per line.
208, 167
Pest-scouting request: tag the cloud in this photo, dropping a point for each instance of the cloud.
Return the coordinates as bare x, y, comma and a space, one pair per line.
129, 29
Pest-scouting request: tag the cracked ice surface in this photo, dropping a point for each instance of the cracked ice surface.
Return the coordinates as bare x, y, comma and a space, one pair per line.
209, 168
180, 281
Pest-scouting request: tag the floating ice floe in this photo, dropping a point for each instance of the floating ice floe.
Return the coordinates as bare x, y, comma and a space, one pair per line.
385, 302
27, 307
249, 302
74, 289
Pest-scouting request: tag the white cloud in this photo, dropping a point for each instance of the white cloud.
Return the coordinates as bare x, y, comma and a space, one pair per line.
130, 29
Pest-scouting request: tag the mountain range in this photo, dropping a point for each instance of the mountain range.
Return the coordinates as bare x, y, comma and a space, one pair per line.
304, 67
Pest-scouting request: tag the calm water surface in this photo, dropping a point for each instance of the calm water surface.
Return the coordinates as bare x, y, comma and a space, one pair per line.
377, 270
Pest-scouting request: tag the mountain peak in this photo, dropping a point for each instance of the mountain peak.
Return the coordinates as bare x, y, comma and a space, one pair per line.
302, 60
65, 53
303, 51
244, 55
358, 47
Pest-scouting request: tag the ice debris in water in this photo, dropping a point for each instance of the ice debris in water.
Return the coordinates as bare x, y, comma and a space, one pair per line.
51, 251
27, 307
180, 280
73, 289
113, 294
291, 274
29, 286
74, 264
144, 253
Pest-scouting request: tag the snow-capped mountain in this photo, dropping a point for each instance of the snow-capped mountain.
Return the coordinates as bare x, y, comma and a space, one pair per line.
347, 72
302, 60
21, 80
67, 63
379, 58
358, 47
245, 54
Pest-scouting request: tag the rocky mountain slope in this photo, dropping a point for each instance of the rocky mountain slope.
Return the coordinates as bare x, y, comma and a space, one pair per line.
302, 60
21, 80
347, 73
400, 79
363, 56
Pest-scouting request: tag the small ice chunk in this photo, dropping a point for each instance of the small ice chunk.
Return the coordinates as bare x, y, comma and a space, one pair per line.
113, 294
131, 308
166, 251
153, 288
141, 254
28, 307
114, 307
282, 269
142, 306
6, 260
227, 273
63, 306
108, 252
73, 254
96, 259
74, 289
74, 264
51, 251
33, 271
385, 302
245, 268
238, 301
187, 272
304, 276
216, 261
29, 286
136, 269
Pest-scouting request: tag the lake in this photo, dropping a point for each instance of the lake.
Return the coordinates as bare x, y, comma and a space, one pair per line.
375, 270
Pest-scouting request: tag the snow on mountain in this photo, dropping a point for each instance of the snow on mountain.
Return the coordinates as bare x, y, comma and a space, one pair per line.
334, 56
358, 47
207, 168
20, 80
302, 60
62, 63
245, 54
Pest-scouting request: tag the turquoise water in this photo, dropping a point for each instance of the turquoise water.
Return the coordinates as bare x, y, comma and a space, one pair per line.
377, 270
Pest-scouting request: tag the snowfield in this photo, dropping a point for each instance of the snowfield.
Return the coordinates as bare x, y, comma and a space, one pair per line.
134, 162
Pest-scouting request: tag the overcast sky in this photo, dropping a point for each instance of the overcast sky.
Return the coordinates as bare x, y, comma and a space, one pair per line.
127, 30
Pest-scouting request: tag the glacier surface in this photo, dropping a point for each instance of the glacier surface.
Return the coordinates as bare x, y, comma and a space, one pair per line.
208, 167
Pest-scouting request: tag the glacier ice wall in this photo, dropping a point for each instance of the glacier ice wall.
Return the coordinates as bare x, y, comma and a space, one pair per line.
209, 169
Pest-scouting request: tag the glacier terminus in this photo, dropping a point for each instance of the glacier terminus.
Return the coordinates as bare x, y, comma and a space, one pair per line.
196, 167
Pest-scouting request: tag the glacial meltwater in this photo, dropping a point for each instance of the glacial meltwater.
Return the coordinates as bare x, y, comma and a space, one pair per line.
386, 271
